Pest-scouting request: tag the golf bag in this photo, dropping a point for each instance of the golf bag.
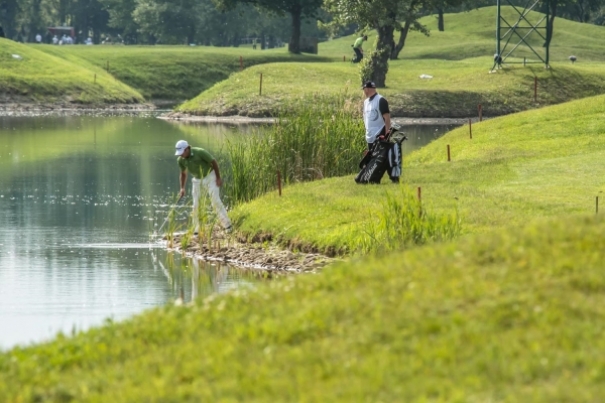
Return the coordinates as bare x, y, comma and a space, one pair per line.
384, 156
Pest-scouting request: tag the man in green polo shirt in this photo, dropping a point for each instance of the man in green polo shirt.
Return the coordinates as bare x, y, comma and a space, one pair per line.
204, 169
358, 48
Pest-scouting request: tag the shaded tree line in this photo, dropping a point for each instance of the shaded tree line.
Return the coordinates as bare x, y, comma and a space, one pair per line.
157, 21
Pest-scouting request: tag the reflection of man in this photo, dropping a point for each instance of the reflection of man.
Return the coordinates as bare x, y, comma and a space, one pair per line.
358, 48
204, 168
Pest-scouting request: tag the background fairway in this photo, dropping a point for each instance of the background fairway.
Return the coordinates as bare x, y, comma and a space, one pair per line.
39, 77
458, 60
172, 73
473, 34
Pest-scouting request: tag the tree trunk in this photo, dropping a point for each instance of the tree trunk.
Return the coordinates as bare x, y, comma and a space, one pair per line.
379, 61
401, 43
551, 22
294, 45
440, 22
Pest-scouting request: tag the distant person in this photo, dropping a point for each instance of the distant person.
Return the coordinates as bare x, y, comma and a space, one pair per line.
88, 41
204, 168
358, 48
38, 38
377, 122
254, 43
55, 40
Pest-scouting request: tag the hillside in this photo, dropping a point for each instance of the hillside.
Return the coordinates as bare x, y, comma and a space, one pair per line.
171, 73
29, 76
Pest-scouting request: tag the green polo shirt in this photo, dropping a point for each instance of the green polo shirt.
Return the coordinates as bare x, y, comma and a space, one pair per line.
198, 163
358, 42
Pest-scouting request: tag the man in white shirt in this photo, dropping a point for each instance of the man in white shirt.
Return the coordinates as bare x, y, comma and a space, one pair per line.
376, 114
38, 38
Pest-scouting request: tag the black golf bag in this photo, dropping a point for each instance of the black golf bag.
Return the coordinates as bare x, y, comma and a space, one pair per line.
384, 156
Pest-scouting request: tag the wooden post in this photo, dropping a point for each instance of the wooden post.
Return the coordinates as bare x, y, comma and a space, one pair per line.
279, 182
241, 63
597, 205
419, 202
260, 89
448, 153
344, 58
470, 127
535, 89
480, 113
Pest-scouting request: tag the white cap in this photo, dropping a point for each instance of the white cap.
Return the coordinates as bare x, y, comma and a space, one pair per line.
181, 145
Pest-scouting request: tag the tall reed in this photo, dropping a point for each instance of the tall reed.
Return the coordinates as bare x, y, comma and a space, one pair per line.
401, 220
321, 140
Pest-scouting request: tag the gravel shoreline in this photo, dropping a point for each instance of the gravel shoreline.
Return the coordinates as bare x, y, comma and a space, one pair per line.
229, 249
236, 119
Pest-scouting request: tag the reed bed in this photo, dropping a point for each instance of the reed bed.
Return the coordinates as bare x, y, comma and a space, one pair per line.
324, 139
401, 220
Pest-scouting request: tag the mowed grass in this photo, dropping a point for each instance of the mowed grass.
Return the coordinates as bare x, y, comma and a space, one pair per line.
458, 59
511, 316
36, 76
473, 34
456, 89
172, 73
545, 163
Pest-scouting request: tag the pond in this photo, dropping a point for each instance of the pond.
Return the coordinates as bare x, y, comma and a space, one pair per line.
80, 197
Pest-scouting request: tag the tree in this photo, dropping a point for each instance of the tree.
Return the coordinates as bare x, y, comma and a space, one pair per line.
298, 9
386, 17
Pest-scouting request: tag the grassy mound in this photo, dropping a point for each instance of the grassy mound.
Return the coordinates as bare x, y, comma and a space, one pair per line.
28, 75
509, 316
542, 163
455, 90
458, 60
173, 73
472, 34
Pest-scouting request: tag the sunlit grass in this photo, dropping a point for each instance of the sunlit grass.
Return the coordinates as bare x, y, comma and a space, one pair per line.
511, 316
30, 75
537, 164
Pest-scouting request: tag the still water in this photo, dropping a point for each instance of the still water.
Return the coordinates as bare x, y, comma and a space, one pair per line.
80, 198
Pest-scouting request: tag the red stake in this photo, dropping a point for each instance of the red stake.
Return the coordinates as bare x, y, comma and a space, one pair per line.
470, 127
480, 113
448, 153
279, 182
260, 90
241, 63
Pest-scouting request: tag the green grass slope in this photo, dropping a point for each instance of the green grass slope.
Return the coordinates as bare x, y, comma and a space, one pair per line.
455, 90
36, 77
458, 59
473, 34
512, 316
542, 163
173, 73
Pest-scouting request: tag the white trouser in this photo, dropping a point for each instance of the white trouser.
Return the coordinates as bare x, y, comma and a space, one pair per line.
209, 182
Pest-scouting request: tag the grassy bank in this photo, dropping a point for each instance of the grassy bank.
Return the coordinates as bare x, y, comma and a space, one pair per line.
28, 75
173, 73
542, 163
504, 317
455, 90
